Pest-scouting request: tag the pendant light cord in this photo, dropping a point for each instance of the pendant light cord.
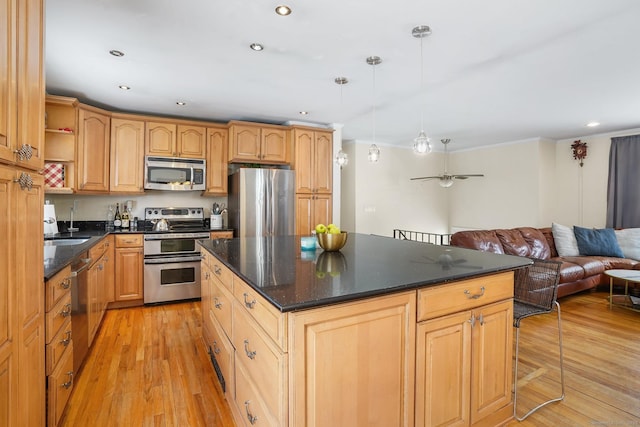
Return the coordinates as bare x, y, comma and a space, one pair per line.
421, 85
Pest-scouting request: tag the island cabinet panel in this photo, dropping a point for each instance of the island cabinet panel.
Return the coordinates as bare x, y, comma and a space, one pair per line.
464, 357
353, 364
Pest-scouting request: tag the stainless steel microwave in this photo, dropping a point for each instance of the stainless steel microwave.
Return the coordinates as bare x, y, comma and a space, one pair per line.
171, 173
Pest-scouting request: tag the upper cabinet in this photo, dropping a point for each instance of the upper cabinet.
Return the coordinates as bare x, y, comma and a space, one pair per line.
127, 156
252, 142
171, 140
217, 147
313, 160
22, 83
60, 135
92, 156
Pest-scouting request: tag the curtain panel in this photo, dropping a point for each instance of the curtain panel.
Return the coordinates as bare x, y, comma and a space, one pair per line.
623, 190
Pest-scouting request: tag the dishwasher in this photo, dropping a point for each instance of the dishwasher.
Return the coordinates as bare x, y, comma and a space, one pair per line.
79, 308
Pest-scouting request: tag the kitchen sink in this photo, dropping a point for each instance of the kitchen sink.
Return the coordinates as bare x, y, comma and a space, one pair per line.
65, 242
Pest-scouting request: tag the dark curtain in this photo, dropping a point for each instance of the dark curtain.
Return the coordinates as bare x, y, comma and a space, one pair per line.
623, 190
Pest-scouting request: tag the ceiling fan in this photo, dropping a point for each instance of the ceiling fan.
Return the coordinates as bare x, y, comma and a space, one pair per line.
446, 179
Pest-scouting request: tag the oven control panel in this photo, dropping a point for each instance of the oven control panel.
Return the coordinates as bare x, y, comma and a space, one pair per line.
173, 213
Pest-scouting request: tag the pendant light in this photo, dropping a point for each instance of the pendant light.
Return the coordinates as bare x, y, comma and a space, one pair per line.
421, 144
374, 151
341, 158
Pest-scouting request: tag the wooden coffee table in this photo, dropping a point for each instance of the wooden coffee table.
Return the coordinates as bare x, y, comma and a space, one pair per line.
625, 300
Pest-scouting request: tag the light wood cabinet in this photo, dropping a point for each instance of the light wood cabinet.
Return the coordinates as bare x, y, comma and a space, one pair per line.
222, 234
98, 281
92, 154
127, 156
336, 354
464, 358
217, 166
313, 160
110, 271
129, 267
22, 83
312, 209
60, 140
252, 142
175, 140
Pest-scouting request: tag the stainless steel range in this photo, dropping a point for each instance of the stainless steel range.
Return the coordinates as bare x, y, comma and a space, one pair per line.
171, 253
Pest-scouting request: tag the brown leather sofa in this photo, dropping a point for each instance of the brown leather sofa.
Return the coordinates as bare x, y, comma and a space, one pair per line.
576, 274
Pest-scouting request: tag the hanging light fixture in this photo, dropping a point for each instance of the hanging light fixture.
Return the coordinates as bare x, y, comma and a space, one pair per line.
374, 151
341, 158
421, 144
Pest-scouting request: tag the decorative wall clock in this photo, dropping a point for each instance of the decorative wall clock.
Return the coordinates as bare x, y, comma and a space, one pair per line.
579, 151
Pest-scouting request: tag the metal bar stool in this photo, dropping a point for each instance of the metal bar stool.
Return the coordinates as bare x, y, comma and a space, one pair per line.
536, 292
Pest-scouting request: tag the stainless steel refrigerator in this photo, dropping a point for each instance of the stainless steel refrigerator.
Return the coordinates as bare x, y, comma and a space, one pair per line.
261, 202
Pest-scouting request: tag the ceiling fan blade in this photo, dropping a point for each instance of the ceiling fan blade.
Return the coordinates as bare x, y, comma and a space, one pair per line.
465, 176
426, 177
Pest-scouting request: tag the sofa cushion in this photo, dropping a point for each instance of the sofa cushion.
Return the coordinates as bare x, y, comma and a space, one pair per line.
629, 241
538, 245
482, 240
565, 240
513, 243
601, 242
569, 272
591, 265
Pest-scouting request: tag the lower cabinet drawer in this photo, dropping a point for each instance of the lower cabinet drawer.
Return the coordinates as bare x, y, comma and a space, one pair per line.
55, 318
59, 387
254, 411
57, 347
263, 361
223, 352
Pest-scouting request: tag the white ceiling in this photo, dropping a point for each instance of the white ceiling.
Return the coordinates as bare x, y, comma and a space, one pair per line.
494, 71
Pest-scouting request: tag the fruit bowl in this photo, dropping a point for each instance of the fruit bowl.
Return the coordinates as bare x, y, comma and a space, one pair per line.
332, 242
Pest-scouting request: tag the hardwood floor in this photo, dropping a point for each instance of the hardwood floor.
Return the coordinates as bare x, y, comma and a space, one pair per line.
148, 367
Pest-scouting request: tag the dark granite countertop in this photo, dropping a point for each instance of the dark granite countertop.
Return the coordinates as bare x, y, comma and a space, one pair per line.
367, 266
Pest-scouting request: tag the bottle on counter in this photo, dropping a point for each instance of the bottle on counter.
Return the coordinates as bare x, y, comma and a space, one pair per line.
125, 217
110, 218
117, 218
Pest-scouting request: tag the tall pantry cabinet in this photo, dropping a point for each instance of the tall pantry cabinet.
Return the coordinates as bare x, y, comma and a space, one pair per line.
22, 368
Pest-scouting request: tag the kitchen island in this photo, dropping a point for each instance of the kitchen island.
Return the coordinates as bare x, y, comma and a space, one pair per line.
385, 332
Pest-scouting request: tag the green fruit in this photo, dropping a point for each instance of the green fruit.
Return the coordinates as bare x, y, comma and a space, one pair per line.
321, 228
332, 229
320, 274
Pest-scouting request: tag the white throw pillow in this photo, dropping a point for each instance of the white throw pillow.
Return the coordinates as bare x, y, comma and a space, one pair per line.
565, 240
629, 241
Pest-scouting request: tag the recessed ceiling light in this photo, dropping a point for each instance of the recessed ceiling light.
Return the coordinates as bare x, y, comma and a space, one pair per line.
304, 113
341, 80
593, 124
256, 46
124, 87
181, 103
283, 10
116, 53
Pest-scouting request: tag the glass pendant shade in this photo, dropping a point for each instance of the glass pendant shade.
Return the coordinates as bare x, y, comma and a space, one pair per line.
342, 159
374, 153
446, 182
421, 144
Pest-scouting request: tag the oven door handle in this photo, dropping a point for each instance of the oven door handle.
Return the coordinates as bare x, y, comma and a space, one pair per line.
173, 260
177, 237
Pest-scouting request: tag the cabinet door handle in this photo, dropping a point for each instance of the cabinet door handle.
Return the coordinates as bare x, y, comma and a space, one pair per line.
481, 319
65, 342
472, 320
217, 304
217, 270
66, 311
25, 152
25, 181
469, 295
70, 382
249, 304
65, 284
252, 418
250, 354
216, 350
206, 275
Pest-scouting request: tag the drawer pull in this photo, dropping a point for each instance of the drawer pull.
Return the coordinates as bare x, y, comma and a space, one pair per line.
249, 304
472, 320
217, 270
66, 312
65, 342
474, 296
481, 320
206, 275
216, 350
65, 284
217, 304
252, 418
250, 354
70, 382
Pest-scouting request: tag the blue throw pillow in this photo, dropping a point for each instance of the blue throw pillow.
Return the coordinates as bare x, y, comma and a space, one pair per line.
602, 242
